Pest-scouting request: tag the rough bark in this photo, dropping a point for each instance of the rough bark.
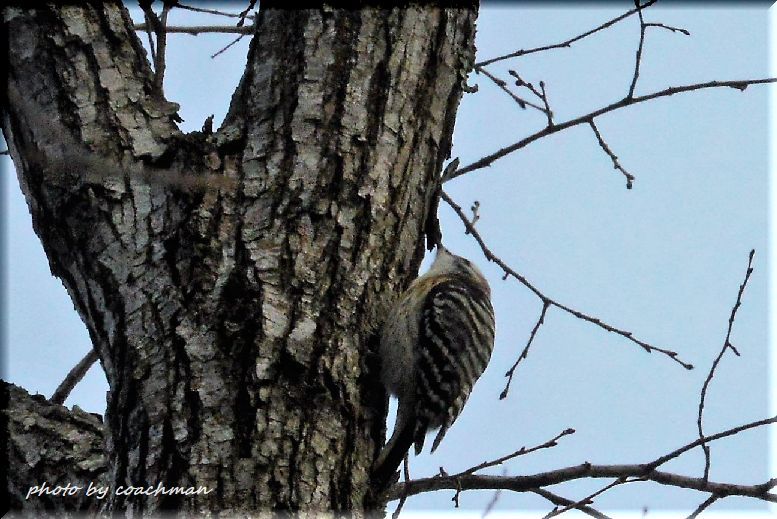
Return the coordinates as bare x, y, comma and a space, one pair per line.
233, 284
50, 443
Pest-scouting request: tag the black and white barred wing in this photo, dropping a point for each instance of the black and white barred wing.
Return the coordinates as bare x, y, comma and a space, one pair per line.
456, 340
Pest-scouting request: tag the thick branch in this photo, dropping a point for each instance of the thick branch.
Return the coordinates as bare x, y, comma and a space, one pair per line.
585, 470
201, 29
648, 471
74, 377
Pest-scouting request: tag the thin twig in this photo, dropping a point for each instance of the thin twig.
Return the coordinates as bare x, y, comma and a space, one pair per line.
212, 11
580, 315
520, 452
158, 26
639, 51
489, 159
492, 502
562, 501
699, 441
567, 43
455, 497
544, 98
73, 378
147, 28
589, 499
502, 84
541, 95
228, 46
244, 14
519, 81
406, 472
613, 157
703, 506
668, 28
161, 48
525, 352
726, 345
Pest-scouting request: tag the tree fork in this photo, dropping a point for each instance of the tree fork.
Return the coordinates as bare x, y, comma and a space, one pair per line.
232, 283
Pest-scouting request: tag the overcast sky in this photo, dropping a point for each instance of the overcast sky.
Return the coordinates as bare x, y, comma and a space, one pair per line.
663, 260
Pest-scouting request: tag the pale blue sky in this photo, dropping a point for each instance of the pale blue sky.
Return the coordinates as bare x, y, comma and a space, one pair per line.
663, 260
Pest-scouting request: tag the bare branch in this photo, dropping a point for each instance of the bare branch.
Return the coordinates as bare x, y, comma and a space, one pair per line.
73, 378
519, 81
544, 98
199, 29
585, 470
642, 29
244, 14
520, 452
213, 11
161, 48
639, 51
525, 352
489, 159
562, 501
703, 506
729, 432
510, 272
158, 26
492, 503
147, 28
566, 43
588, 500
406, 472
455, 497
228, 46
726, 345
668, 28
613, 157
542, 95
502, 84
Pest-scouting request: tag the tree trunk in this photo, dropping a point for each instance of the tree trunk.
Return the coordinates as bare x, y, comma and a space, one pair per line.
233, 283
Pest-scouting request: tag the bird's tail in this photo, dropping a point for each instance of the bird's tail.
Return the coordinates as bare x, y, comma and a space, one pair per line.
391, 456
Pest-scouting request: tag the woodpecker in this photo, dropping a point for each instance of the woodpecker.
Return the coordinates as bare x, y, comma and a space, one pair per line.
435, 343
